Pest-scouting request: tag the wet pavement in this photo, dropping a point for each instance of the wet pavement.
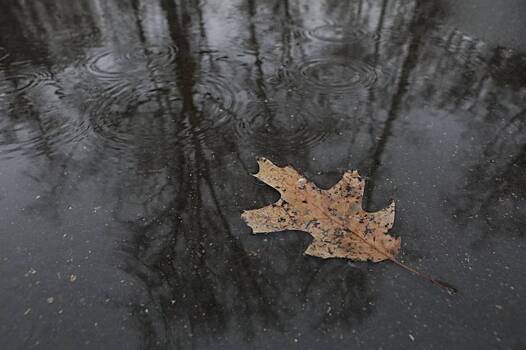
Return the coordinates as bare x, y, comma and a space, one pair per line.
129, 129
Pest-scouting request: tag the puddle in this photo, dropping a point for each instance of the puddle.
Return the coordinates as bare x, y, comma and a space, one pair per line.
126, 156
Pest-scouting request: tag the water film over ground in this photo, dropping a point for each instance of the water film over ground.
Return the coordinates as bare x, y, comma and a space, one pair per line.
129, 129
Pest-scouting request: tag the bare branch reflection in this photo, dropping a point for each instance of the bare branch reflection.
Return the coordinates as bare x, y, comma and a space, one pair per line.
160, 107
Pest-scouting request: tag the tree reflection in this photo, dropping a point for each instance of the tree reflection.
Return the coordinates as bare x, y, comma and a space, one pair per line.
158, 98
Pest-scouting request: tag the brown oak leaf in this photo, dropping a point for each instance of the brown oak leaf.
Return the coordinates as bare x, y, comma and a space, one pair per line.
334, 217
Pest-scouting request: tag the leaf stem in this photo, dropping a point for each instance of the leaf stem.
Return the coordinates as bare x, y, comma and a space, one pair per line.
448, 287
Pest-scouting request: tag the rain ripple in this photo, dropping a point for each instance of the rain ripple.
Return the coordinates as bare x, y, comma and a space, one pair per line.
336, 33
330, 76
36, 120
21, 82
339, 75
154, 115
341, 34
110, 65
460, 47
283, 126
47, 132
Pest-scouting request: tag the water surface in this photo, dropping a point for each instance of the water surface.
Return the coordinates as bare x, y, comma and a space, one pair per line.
128, 132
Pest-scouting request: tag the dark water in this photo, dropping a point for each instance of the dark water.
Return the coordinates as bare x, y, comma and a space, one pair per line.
128, 130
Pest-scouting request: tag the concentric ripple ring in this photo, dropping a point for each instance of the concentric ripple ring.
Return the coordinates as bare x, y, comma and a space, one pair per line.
110, 65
